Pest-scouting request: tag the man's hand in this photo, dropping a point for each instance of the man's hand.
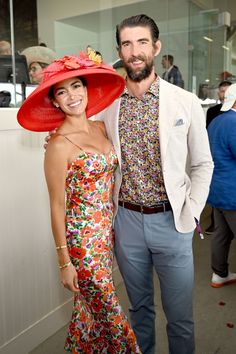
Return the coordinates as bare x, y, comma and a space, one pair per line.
48, 137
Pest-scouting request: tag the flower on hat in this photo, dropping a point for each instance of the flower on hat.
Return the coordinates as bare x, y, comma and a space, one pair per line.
74, 62
94, 57
82, 60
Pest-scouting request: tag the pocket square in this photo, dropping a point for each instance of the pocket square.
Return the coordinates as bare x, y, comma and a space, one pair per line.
179, 122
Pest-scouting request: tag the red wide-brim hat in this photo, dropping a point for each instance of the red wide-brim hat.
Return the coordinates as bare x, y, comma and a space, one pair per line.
103, 83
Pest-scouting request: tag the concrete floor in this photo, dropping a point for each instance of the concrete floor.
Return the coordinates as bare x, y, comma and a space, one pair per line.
212, 334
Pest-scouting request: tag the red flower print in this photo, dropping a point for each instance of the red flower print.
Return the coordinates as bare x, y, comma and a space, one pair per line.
76, 200
87, 232
77, 252
100, 274
99, 248
97, 216
83, 316
116, 319
108, 288
84, 274
105, 196
97, 305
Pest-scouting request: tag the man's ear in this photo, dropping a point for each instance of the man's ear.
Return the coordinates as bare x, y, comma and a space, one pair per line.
118, 52
157, 47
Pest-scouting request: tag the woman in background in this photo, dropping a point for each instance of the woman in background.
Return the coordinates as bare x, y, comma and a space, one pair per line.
38, 58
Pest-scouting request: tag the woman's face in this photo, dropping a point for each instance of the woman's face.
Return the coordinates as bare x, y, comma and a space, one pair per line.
35, 73
71, 96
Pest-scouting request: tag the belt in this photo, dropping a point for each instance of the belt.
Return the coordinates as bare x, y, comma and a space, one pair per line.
160, 208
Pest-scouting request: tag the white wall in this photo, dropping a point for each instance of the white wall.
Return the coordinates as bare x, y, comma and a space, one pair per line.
54, 10
31, 293
71, 39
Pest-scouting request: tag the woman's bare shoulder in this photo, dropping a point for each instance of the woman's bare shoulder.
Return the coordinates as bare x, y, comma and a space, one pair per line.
57, 143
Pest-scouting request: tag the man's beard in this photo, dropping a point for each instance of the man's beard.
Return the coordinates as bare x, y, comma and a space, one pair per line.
142, 74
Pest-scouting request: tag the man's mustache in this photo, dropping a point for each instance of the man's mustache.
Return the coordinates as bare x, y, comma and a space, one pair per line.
134, 58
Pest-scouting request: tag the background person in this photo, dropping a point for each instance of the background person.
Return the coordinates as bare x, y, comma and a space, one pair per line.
213, 112
38, 58
172, 73
5, 48
222, 196
80, 161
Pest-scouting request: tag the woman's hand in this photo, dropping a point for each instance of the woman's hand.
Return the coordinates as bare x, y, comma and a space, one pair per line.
69, 278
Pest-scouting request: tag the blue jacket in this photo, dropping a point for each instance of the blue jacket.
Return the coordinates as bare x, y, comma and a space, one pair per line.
174, 77
222, 138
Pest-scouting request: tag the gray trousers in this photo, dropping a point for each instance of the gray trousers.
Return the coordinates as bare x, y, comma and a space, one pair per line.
224, 232
144, 242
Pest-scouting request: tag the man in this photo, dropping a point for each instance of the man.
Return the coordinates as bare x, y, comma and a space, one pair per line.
158, 125
222, 196
213, 112
172, 73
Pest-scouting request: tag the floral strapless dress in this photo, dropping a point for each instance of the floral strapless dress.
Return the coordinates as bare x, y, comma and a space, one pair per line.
98, 323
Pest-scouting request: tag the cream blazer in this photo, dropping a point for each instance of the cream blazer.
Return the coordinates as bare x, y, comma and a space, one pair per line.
185, 154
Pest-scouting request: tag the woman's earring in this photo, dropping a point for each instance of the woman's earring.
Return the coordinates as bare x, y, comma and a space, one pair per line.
56, 105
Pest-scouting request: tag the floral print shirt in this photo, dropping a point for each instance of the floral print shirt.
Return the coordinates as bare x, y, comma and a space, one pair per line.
142, 180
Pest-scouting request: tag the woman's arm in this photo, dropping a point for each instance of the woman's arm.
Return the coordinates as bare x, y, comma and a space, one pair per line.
55, 167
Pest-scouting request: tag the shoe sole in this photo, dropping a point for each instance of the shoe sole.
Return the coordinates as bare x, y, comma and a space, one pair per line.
219, 285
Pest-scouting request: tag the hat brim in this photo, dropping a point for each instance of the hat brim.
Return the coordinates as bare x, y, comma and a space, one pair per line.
37, 113
227, 105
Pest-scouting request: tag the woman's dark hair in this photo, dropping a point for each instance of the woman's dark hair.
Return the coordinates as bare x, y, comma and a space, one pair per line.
51, 93
137, 21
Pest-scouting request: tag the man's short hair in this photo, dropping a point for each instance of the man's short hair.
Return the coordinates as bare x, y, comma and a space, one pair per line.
138, 21
224, 83
169, 57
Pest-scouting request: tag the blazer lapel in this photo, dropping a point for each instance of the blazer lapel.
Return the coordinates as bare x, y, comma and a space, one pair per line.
168, 108
111, 120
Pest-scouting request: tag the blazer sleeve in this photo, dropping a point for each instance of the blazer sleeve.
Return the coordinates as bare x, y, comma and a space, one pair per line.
200, 160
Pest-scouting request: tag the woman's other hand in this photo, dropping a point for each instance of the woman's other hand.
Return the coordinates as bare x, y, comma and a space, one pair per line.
69, 278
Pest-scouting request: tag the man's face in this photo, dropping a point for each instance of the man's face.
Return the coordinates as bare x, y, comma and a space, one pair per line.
138, 51
164, 63
221, 92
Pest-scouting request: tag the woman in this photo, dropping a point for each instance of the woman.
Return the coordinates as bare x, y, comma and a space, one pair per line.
38, 58
81, 161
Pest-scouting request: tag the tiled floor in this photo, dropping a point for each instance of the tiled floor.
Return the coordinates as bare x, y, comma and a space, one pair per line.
212, 334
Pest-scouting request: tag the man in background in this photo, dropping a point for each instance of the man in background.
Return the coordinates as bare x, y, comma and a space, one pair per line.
172, 73
214, 111
222, 196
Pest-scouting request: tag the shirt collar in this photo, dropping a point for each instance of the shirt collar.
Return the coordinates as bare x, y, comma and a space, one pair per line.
153, 89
